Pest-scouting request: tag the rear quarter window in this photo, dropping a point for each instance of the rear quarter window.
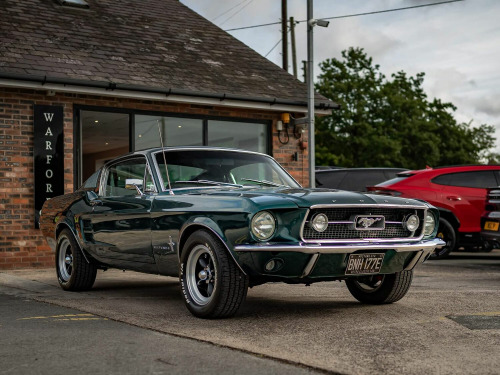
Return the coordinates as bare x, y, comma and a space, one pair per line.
473, 179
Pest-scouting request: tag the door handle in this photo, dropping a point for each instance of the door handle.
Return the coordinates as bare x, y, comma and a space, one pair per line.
453, 198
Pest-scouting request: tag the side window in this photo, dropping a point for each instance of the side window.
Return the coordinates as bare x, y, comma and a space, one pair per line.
150, 185
476, 179
330, 180
359, 180
125, 173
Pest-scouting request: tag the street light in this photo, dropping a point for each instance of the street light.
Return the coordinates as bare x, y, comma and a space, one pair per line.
311, 22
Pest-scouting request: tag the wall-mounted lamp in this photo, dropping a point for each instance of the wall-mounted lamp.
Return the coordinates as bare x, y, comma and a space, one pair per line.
285, 117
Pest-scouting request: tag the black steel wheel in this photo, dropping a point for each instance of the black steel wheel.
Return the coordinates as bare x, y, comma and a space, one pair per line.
73, 271
380, 289
212, 284
448, 234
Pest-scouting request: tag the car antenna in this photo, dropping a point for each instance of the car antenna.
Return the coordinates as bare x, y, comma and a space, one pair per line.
164, 159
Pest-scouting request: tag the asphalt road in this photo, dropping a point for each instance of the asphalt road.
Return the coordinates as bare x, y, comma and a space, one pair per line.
449, 323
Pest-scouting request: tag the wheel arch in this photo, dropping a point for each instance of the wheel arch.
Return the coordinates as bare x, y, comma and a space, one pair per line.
192, 227
450, 217
64, 225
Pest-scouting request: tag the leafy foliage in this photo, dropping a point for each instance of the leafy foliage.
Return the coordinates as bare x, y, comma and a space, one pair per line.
390, 122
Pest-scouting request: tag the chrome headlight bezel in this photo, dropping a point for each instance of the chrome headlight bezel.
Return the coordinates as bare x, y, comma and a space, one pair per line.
429, 222
319, 222
263, 225
412, 222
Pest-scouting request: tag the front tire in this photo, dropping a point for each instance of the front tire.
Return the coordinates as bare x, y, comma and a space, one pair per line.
212, 284
73, 271
380, 289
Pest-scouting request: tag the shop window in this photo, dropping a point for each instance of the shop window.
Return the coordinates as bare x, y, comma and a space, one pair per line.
242, 135
176, 131
104, 136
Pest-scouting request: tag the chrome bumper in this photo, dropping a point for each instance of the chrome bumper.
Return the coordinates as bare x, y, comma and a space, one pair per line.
422, 249
309, 248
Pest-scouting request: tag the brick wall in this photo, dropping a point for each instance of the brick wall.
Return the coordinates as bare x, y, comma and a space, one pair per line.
21, 245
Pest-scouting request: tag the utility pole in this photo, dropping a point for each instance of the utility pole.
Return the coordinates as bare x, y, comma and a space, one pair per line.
294, 51
284, 33
310, 93
304, 70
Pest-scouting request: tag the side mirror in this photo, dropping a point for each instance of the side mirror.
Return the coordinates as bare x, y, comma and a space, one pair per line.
134, 184
135, 187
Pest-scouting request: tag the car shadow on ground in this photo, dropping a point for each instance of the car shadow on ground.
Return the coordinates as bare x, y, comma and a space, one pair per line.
273, 304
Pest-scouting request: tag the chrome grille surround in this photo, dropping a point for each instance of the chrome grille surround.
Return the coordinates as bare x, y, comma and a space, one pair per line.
341, 225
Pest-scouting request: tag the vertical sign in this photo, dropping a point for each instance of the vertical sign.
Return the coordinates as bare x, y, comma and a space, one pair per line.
48, 151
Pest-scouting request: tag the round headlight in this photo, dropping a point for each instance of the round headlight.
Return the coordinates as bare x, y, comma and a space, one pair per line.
320, 222
412, 223
430, 224
263, 225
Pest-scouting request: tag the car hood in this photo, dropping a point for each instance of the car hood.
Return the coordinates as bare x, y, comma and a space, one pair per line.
302, 197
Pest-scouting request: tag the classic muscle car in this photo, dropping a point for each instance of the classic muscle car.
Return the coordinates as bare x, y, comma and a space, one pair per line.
223, 220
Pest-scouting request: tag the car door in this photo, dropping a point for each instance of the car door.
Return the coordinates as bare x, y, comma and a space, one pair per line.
464, 193
121, 216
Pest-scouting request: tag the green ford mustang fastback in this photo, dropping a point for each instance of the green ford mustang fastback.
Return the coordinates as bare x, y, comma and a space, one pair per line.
223, 220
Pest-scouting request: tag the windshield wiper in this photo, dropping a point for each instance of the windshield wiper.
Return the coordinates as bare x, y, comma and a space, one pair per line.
208, 182
264, 182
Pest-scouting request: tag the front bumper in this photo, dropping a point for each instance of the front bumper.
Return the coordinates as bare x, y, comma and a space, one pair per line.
311, 248
307, 260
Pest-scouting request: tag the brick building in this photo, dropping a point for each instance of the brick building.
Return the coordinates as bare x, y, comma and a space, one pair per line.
113, 70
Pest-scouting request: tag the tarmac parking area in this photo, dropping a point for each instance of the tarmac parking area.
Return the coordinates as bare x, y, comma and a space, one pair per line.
449, 322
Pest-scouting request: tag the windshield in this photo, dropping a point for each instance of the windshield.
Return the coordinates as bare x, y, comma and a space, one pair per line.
201, 168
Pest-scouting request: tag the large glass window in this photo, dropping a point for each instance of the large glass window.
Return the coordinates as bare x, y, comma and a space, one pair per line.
176, 131
242, 135
104, 136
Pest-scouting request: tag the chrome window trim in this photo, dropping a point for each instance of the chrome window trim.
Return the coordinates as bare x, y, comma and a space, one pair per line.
105, 171
363, 240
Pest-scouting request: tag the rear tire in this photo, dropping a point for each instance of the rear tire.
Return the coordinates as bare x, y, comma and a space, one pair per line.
380, 289
73, 271
448, 234
212, 284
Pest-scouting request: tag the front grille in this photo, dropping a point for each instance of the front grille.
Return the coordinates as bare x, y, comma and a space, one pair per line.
341, 224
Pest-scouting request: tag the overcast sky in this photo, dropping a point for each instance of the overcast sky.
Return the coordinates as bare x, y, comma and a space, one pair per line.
457, 45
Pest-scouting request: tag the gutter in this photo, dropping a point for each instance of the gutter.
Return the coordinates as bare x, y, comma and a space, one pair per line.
151, 93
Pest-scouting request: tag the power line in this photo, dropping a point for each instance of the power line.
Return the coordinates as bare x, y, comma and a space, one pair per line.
230, 9
352, 15
235, 13
271, 50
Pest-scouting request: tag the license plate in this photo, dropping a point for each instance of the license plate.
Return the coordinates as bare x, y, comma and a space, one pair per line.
359, 264
491, 225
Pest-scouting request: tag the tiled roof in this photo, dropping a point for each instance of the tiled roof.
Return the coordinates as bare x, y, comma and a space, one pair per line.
150, 43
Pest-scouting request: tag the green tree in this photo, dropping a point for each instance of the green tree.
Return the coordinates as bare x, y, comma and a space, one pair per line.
390, 122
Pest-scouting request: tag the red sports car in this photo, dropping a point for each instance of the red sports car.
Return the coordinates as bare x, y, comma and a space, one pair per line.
458, 192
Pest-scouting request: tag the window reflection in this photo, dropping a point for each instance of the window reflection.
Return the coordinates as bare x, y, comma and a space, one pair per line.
241, 135
176, 131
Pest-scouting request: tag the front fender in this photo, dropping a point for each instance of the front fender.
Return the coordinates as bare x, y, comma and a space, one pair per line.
205, 223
